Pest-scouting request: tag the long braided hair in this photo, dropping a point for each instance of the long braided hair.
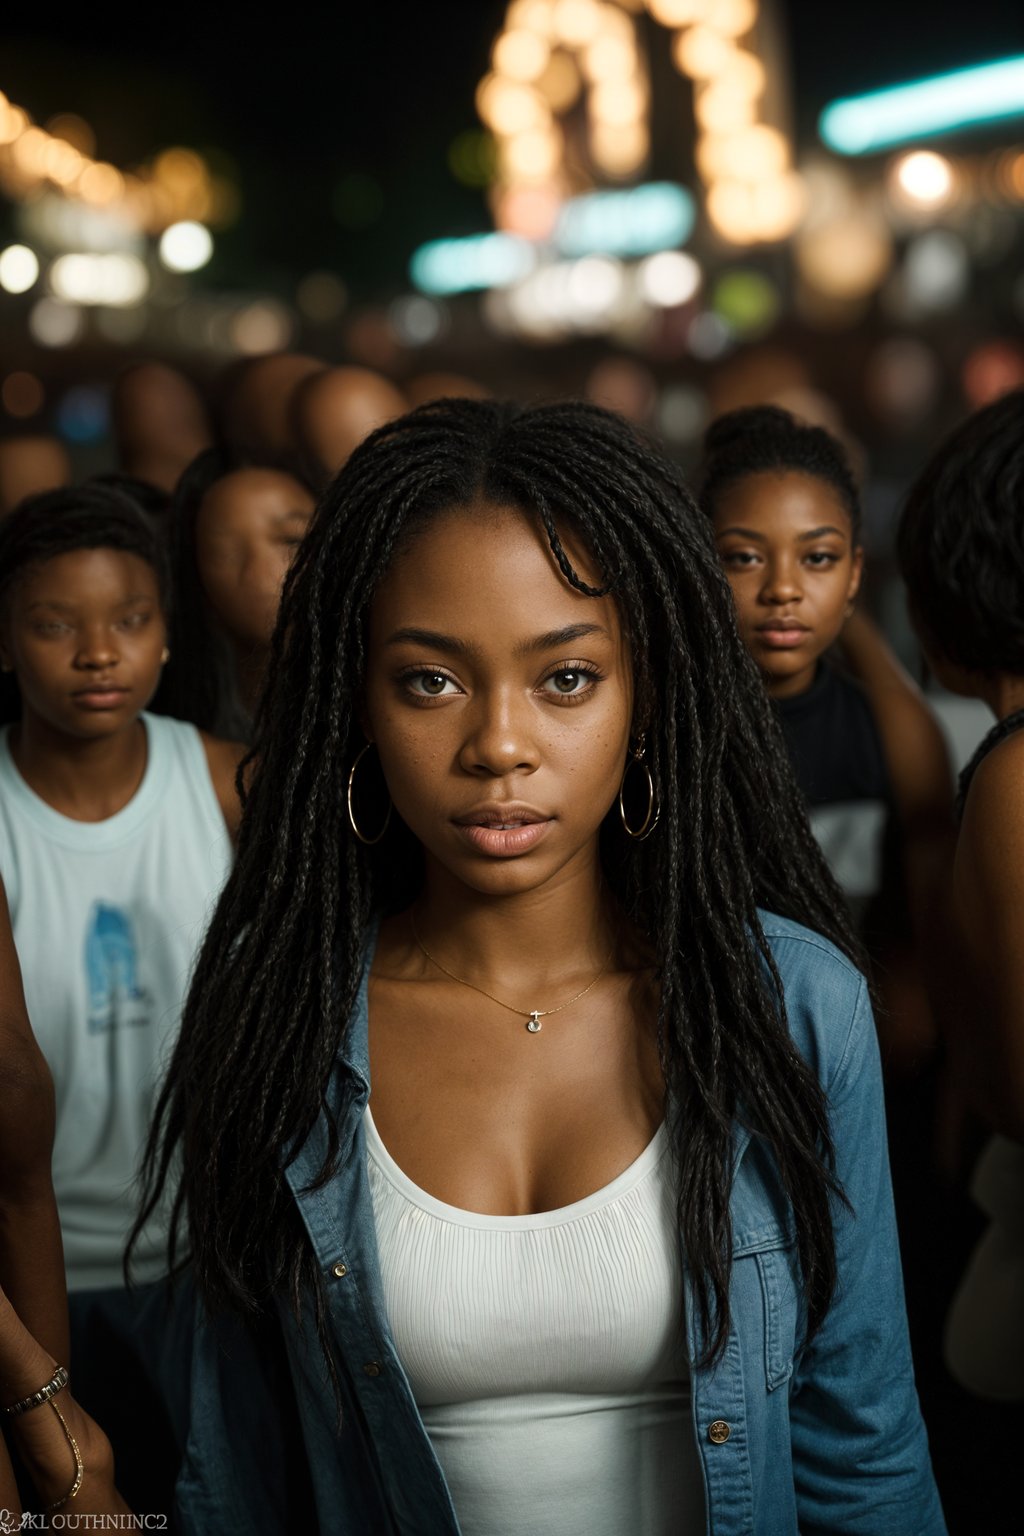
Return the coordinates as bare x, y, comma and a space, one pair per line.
278, 974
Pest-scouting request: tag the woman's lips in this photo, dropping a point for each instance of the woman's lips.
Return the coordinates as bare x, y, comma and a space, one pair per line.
783, 637
504, 842
101, 698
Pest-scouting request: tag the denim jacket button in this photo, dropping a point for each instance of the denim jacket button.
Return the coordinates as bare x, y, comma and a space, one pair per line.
341, 1270
719, 1432
372, 1368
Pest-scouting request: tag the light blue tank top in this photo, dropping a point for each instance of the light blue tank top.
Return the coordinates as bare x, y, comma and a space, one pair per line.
108, 917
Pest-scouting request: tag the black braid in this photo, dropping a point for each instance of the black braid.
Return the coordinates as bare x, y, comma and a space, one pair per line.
278, 974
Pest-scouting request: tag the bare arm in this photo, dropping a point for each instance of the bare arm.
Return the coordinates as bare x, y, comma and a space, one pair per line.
31, 1253
988, 911
42, 1442
223, 758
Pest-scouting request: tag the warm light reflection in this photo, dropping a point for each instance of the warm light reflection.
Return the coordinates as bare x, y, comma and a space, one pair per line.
508, 107
576, 21
618, 102
560, 84
924, 179
521, 54
185, 247
677, 13
19, 268
733, 18
701, 52
668, 279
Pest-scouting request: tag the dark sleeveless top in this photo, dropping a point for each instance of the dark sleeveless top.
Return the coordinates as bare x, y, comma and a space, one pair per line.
833, 741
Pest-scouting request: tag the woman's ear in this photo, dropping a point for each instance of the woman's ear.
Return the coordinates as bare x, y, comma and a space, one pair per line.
856, 572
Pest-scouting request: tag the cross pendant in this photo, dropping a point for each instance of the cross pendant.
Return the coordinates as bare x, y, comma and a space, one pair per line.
533, 1022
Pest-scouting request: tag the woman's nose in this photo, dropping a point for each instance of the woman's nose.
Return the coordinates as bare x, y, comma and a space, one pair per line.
98, 648
781, 583
500, 738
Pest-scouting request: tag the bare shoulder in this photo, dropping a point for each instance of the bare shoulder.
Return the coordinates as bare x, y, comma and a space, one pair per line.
223, 758
994, 813
989, 868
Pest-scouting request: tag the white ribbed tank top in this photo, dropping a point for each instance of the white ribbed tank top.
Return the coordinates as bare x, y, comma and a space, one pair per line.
108, 916
546, 1353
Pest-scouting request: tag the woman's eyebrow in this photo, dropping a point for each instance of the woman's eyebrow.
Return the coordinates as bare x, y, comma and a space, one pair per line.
554, 639
551, 640
819, 533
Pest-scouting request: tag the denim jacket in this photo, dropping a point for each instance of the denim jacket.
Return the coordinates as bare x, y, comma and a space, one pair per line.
815, 1438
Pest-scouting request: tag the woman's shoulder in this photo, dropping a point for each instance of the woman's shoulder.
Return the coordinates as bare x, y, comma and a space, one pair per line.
796, 947
826, 995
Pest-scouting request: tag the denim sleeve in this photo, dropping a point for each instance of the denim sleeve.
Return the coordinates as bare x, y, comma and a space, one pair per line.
860, 1453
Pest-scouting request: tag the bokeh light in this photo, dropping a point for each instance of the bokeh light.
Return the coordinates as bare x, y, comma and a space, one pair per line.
186, 246
923, 179
19, 268
53, 323
321, 296
669, 278
22, 394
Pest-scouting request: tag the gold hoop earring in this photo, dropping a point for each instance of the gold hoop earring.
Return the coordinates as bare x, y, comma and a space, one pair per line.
165, 656
369, 841
650, 821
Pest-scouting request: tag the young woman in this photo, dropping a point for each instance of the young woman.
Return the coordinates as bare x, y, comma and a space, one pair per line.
234, 532
114, 843
867, 753
610, 1247
962, 556
113, 836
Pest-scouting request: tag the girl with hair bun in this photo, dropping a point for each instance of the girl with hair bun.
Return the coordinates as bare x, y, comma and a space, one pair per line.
866, 750
525, 1123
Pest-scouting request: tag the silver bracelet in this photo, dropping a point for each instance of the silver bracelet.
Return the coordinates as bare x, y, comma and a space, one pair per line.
57, 1381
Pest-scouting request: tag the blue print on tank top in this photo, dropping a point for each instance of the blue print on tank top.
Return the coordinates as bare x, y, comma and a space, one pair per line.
111, 962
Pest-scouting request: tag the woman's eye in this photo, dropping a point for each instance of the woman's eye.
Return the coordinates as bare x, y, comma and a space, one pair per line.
820, 558
51, 627
135, 620
570, 682
738, 559
431, 685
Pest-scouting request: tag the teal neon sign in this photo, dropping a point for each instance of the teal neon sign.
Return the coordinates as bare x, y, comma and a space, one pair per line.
901, 114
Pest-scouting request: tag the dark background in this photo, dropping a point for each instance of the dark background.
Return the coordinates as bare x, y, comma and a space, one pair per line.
312, 104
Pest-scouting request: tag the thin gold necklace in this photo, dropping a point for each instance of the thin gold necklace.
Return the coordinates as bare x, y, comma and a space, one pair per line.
533, 1015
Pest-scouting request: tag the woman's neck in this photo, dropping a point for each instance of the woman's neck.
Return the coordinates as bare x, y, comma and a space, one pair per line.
1003, 693
565, 929
250, 670
86, 780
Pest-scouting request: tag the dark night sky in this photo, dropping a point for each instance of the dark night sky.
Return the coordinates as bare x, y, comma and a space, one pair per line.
382, 91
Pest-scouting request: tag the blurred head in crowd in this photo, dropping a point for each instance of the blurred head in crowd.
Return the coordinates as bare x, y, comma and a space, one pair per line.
29, 465
335, 410
160, 423
235, 528
961, 551
786, 518
443, 386
151, 499
256, 405
84, 603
